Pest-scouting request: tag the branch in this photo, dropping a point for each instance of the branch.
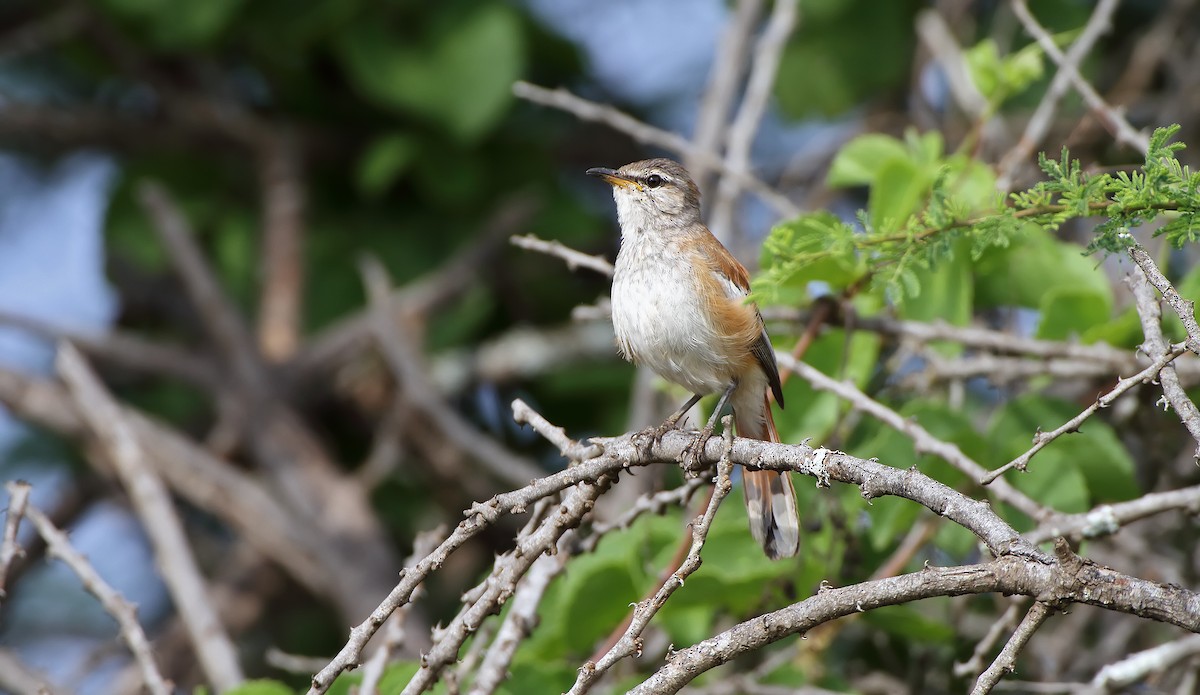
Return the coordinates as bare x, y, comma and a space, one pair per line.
923, 440
152, 502
413, 381
125, 614
236, 498
1008, 621
729, 63
18, 492
1107, 519
393, 636
649, 135
339, 343
1042, 439
1136, 667
1124, 132
631, 641
1155, 344
18, 679
1068, 72
1006, 660
1058, 581
1184, 309
745, 124
282, 184
125, 351
575, 259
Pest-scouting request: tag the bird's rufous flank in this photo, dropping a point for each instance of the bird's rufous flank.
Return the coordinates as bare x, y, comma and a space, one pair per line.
679, 307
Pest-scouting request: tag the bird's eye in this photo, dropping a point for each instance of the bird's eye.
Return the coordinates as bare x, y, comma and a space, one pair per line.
654, 180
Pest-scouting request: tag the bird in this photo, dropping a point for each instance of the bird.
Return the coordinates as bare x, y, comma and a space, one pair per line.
679, 307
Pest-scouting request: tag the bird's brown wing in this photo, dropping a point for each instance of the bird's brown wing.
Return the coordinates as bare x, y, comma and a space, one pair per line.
738, 280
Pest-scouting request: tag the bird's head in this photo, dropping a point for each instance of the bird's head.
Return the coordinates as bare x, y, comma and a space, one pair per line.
653, 194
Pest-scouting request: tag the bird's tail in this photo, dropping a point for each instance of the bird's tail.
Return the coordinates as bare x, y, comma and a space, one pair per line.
770, 499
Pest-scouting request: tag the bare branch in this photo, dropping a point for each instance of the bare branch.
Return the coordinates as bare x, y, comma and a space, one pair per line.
1042, 439
1156, 344
923, 440
649, 135
1114, 121
1077, 581
631, 641
393, 636
575, 259
153, 504
1006, 660
729, 64
1109, 518
1184, 309
18, 679
125, 614
281, 181
9, 549
1068, 73
1136, 667
1008, 621
412, 378
760, 84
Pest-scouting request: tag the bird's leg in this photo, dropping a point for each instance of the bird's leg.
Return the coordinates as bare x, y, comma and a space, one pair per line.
654, 435
695, 451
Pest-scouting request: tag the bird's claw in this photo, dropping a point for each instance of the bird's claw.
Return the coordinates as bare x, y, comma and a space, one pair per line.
693, 455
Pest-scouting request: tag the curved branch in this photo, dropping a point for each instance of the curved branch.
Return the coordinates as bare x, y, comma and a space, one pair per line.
1073, 580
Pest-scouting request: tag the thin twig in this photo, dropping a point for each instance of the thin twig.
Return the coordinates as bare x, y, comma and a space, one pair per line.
648, 134
575, 259
1183, 308
413, 380
393, 635
1008, 621
1042, 439
745, 124
1006, 660
520, 620
18, 679
1107, 519
1068, 73
9, 548
117, 606
1136, 667
1125, 133
282, 184
1155, 344
923, 440
728, 66
630, 643
151, 500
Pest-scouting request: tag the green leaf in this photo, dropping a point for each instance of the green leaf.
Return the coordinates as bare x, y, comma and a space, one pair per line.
384, 160
461, 78
177, 25
811, 413
1068, 311
1032, 265
947, 293
900, 187
859, 161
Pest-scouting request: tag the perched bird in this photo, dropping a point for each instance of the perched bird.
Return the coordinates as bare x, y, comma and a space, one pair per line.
679, 307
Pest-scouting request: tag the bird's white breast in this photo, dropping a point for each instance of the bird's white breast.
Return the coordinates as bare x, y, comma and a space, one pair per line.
661, 318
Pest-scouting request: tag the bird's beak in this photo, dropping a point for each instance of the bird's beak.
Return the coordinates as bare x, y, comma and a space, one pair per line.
613, 177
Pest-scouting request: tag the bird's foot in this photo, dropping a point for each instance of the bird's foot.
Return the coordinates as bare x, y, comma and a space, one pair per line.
692, 458
647, 439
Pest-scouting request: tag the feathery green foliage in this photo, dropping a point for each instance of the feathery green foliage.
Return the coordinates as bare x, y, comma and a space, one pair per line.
923, 207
